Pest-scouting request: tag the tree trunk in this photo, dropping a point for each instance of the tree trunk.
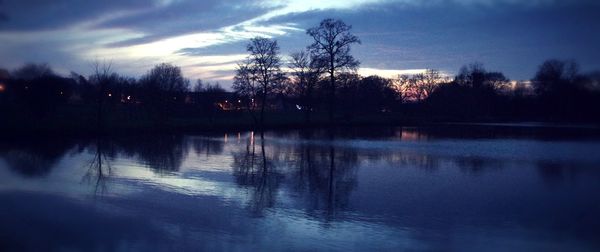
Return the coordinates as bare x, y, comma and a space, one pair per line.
262, 108
331, 96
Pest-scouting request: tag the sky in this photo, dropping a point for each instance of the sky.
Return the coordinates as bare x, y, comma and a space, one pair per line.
207, 38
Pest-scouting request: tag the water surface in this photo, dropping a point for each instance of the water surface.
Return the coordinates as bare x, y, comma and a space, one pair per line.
451, 188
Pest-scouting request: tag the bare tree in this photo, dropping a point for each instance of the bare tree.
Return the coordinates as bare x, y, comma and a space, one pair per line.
101, 78
332, 40
260, 74
246, 86
432, 78
306, 70
419, 86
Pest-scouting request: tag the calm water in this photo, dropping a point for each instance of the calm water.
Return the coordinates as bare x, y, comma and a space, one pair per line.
454, 188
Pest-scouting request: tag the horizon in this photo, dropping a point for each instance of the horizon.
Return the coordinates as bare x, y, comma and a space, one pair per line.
207, 39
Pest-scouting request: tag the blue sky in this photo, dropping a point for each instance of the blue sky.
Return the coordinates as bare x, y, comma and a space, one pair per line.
207, 38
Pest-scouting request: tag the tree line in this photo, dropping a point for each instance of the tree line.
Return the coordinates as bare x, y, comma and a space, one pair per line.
320, 80
323, 77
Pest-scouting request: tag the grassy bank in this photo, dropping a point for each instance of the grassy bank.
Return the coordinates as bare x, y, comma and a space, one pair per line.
75, 120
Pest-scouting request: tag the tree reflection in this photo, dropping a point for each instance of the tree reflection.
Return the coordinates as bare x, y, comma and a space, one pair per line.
99, 168
325, 177
34, 157
207, 146
258, 174
162, 153
321, 176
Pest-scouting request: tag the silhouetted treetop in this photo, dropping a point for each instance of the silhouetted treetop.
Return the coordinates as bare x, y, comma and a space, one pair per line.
332, 41
554, 75
476, 76
33, 71
165, 77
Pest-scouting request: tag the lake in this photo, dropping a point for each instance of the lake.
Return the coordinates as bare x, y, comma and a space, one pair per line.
447, 187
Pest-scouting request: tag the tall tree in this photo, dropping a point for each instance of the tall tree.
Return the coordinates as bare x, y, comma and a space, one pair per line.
262, 70
332, 41
246, 86
101, 78
306, 70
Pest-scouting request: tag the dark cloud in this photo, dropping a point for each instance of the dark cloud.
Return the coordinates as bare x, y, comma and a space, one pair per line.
27, 15
184, 17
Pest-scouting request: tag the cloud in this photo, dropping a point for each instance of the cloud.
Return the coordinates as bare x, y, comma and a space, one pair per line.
388, 73
32, 15
182, 18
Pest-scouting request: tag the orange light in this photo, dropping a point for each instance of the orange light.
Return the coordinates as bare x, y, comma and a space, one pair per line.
2, 88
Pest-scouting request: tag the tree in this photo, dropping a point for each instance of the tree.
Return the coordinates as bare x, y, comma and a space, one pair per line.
246, 86
432, 78
474, 92
165, 77
101, 78
477, 77
4, 74
376, 94
32, 71
306, 70
419, 86
553, 76
332, 41
561, 91
259, 74
164, 86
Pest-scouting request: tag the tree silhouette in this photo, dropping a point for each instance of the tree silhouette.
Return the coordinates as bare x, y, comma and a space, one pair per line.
164, 86
332, 41
306, 70
554, 76
417, 87
101, 79
261, 73
32, 71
